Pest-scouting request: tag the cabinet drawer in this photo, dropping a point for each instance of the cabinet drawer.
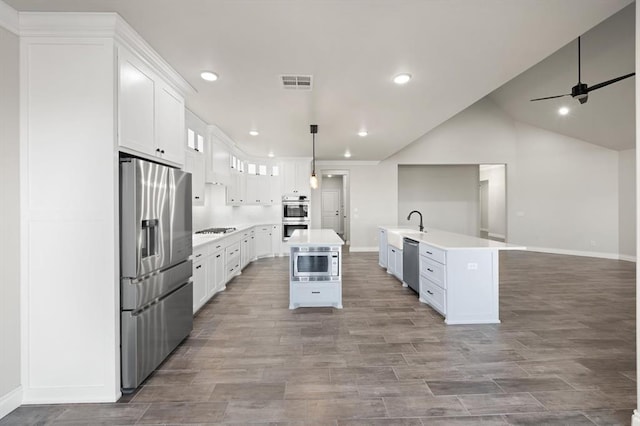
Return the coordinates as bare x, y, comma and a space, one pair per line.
314, 294
433, 271
200, 252
434, 295
232, 252
433, 253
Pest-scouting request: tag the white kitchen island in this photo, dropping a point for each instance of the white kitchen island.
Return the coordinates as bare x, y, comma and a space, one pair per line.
315, 269
458, 273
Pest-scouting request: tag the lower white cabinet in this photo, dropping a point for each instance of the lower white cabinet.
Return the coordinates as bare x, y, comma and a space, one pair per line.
382, 247
263, 241
276, 240
199, 284
215, 273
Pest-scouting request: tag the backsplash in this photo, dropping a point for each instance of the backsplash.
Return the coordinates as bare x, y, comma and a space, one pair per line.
215, 211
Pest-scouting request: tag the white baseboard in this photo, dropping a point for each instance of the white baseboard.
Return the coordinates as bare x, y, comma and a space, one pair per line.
493, 235
363, 249
635, 418
628, 258
612, 256
10, 401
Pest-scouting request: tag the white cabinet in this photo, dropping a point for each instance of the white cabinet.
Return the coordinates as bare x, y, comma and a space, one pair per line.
236, 189
218, 169
136, 92
199, 277
257, 190
276, 240
247, 250
150, 113
382, 247
263, 241
399, 264
295, 177
232, 260
215, 273
169, 124
194, 164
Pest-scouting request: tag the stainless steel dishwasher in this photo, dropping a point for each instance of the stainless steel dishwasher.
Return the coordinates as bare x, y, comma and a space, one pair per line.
410, 264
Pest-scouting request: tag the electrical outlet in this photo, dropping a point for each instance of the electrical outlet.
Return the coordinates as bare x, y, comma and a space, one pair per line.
472, 266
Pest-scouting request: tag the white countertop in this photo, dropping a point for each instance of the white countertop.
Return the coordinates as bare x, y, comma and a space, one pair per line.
445, 240
201, 239
315, 237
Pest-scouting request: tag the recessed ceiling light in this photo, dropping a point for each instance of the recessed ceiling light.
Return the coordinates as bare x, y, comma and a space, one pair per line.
254, 133
347, 154
271, 155
402, 78
329, 176
563, 111
362, 133
209, 76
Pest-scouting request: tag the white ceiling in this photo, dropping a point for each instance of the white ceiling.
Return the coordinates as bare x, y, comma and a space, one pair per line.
458, 51
608, 117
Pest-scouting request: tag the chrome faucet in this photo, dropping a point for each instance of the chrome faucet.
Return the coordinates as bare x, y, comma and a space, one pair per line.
409, 218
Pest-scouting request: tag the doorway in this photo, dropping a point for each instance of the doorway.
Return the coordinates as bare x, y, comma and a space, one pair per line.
334, 190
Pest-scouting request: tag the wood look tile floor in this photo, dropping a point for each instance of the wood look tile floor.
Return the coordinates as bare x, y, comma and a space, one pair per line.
564, 354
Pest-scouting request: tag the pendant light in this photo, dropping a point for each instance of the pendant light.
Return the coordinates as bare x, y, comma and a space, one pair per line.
313, 180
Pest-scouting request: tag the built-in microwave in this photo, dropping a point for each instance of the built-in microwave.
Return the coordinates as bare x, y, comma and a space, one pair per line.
288, 228
315, 264
295, 209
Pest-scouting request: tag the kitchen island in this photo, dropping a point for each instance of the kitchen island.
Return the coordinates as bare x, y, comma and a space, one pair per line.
458, 274
315, 269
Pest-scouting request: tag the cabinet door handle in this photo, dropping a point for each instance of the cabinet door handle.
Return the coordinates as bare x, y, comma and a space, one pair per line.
162, 151
197, 198
199, 266
315, 292
217, 256
198, 255
429, 292
157, 149
429, 252
429, 269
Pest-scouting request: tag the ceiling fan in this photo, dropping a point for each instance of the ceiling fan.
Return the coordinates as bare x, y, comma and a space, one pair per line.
581, 90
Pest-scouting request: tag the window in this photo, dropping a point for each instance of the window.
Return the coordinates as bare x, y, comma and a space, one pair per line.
195, 140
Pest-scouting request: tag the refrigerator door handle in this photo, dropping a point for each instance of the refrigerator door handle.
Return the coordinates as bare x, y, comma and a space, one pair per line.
150, 240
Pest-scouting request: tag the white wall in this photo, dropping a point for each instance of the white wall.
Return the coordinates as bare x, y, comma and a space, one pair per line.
495, 174
10, 393
216, 213
627, 214
447, 197
565, 188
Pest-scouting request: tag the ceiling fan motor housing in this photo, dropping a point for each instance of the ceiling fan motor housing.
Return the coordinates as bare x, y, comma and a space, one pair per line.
580, 91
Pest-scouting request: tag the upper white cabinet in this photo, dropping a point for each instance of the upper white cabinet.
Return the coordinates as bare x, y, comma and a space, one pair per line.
218, 162
194, 164
169, 123
150, 113
295, 177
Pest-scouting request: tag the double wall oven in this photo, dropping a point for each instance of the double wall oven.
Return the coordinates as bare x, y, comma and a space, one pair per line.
295, 214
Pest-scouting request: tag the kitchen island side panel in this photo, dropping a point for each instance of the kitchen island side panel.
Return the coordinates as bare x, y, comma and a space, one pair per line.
472, 286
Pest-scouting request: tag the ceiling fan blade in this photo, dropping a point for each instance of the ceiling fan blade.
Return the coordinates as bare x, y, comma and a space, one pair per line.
550, 97
608, 82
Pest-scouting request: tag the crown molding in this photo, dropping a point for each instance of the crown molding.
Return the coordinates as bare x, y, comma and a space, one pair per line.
100, 25
9, 18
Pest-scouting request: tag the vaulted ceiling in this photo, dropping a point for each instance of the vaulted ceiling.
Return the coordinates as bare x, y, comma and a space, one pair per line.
457, 51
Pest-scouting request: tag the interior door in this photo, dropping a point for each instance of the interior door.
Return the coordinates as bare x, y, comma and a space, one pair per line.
331, 215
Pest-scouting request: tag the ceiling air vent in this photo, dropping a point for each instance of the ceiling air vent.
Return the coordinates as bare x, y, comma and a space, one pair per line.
297, 82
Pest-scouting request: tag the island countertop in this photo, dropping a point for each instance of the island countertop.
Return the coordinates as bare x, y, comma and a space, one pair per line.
445, 240
315, 237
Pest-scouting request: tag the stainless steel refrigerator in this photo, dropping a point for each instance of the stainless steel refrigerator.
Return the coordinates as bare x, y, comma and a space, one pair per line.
155, 270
